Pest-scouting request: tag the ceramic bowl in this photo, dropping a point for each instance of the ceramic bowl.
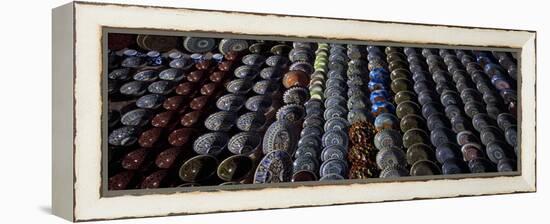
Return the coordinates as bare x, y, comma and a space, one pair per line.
181, 63
331, 177
336, 123
277, 61
406, 108
311, 130
334, 152
239, 86
124, 136
465, 137
259, 103
280, 49
447, 151
146, 75
295, 78
256, 60
244, 143
232, 45
150, 101
480, 166
271, 73
334, 92
251, 121
471, 151
303, 66
303, 175
379, 96
230, 102
296, 95
419, 151
424, 168
199, 44
334, 166
335, 137
335, 101
132, 62
136, 117
265, 87
246, 72
505, 120
401, 84
387, 138
496, 151
291, 113
120, 74
171, 74
386, 121
235, 168
305, 163
412, 121
150, 138
133, 88
335, 111
382, 107
506, 165
310, 140
220, 121
212, 143
357, 102
394, 172
161, 87
198, 168
414, 136
390, 157
297, 55
302, 151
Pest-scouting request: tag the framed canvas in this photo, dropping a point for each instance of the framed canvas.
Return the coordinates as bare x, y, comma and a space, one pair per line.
169, 111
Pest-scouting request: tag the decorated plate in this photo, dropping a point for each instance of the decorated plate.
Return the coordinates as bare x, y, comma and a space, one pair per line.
199, 44
232, 45
275, 167
390, 157
280, 136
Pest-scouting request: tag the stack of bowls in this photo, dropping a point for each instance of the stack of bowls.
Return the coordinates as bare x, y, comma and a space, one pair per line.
334, 139
306, 158
437, 109
508, 62
419, 154
471, 148
488, 114
210, 147
281, 138
422, 154
245, 144
390, 158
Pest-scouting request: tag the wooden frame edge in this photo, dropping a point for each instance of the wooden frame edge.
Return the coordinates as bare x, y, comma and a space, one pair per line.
62, 111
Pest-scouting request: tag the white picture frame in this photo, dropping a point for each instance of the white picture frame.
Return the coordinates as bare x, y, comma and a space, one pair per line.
78, 30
